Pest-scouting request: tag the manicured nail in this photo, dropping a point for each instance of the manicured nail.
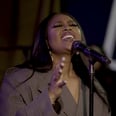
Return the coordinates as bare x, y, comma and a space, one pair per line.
60, 70
63, 58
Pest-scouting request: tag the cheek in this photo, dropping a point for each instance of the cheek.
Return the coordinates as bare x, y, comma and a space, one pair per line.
52, 40
78, 35
53, 36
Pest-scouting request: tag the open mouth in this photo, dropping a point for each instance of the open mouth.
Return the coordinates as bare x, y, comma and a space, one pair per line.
68, 37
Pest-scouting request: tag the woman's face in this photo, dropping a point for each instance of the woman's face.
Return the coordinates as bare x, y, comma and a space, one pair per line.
62, 31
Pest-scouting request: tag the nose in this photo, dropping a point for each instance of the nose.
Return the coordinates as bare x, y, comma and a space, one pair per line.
67, 27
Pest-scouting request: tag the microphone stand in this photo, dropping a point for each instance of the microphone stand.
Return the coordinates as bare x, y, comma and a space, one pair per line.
93, 57
92, 74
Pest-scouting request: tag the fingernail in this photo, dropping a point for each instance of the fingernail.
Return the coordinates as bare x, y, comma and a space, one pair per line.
62, 64
65, 81
63, 58
60, 70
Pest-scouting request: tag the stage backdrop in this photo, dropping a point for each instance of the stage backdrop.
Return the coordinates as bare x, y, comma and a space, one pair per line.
18, 21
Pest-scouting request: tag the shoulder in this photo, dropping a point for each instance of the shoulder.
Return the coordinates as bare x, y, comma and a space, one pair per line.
101, 106
101, 103
16, 75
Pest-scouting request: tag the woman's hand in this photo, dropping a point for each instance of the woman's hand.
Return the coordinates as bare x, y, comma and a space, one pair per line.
56, 83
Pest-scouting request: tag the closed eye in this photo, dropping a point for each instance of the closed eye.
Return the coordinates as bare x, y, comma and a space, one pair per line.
58, 25
74, 25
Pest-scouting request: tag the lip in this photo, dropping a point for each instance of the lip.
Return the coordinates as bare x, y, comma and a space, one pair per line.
67, 36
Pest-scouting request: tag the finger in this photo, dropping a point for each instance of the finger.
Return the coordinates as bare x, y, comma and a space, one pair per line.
59, 69
63, 58
57, 76
61, 84
62, 63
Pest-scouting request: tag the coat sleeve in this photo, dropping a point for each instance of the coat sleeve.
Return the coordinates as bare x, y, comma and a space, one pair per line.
41, 106
100, 108
103, 107
12, 102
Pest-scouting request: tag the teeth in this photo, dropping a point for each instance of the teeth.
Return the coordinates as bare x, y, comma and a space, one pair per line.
67, 37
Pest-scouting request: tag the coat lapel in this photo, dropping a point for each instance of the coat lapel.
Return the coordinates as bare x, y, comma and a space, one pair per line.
68, 99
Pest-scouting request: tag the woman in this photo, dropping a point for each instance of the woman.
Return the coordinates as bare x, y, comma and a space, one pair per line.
54, 81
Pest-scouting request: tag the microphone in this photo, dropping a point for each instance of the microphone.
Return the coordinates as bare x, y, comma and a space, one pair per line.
78, 46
